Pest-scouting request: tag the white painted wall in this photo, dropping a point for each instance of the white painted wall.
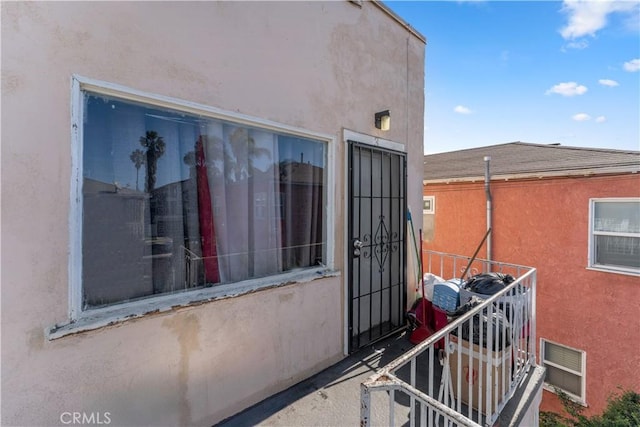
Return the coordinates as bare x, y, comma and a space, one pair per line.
320, 66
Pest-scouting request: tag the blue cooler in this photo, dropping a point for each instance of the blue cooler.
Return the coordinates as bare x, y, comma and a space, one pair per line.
446, 295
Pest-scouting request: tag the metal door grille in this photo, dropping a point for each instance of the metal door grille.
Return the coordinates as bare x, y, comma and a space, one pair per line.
377, 249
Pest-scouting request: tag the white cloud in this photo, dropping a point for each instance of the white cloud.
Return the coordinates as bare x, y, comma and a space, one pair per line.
461, 109
601, 119
580, 44
586, 17
607, 82
633, 65
581, 117
568, 89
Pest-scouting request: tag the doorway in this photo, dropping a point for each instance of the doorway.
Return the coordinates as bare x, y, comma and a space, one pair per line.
376, 245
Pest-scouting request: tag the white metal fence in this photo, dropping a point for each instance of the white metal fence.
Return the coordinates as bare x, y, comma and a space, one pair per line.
465, 373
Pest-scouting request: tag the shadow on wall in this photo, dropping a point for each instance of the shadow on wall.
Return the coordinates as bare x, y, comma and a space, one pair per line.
428, 227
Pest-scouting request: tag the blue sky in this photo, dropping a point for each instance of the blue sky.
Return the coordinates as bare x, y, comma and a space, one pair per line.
534, 71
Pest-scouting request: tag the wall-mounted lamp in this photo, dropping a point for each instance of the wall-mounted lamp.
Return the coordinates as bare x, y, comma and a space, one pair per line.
383, 120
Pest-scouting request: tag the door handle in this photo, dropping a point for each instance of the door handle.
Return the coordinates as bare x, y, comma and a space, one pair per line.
357, 245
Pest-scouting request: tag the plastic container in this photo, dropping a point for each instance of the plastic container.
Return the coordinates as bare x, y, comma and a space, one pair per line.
429, 280
446, 295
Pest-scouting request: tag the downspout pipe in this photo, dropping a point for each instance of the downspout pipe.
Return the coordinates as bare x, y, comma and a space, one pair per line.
487, 191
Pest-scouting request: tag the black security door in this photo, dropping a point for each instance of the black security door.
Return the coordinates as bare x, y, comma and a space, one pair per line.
376, 246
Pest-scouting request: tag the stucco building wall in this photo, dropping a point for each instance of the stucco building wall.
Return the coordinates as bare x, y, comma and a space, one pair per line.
318, 66
544, 223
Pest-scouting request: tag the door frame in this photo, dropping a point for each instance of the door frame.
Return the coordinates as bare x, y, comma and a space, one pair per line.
373, 141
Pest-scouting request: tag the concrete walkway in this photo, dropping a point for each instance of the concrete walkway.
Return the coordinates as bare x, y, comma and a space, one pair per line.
332, 397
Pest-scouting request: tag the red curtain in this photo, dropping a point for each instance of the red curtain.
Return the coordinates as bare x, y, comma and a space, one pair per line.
205, 214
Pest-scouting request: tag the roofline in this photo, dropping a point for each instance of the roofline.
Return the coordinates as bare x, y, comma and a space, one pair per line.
540, 175
399, 20
532, 144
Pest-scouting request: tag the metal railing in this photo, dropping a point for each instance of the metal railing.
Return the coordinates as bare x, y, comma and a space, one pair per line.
469, 369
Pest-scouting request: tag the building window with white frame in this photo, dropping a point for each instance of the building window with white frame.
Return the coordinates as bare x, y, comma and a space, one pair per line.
565, 369
614, 240
174, 199
428, 205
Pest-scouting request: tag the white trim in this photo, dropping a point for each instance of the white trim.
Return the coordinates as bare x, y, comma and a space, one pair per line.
349, 135
582, 375
91, 319
591, 264
607, 270
432, 209
590, 243
118, 313
573, 398
609, 170
346, 240
130, 94
75, 208
615, 199
330, 207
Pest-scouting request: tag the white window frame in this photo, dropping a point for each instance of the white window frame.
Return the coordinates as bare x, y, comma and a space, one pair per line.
591, 256
582, 399
432, 205
80, 320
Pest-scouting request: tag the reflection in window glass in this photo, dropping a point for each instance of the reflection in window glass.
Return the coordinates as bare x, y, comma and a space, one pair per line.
174, 201
622, 217
615, 236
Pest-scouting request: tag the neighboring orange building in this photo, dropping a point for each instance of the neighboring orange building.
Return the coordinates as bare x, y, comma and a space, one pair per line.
574, 214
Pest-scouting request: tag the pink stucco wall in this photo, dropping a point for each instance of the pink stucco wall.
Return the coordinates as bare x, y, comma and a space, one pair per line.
544, 223
317, 66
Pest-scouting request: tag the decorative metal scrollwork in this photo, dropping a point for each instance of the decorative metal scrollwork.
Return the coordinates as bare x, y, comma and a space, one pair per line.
383, 243
366, 248
472, 271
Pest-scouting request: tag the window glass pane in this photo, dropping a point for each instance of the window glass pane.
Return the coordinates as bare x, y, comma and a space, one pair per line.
174, 201
621, 217
563, 356
617, 250
428, 203
564, 380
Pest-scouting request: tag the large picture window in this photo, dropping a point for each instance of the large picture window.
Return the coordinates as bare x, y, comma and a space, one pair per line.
173, 201
615, 234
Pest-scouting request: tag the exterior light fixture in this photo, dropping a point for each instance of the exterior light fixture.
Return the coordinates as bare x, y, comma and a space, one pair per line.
383, 120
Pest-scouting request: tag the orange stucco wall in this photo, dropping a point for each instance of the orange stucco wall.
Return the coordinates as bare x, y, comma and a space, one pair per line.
544, 223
